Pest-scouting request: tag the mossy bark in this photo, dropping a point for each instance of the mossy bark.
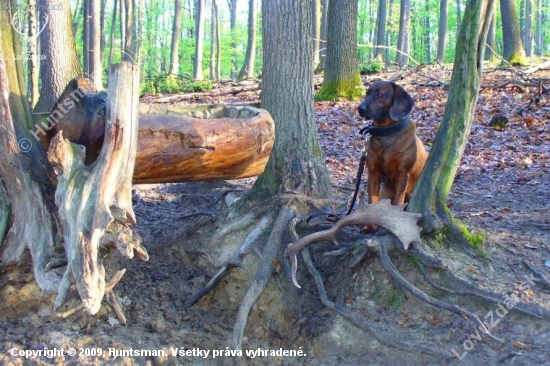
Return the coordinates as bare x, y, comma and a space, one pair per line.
430, 195
342, 78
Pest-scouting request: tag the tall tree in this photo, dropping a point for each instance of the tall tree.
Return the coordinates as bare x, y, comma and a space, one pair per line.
128, 25
92, 42
430, 195
427, 32
323, 43
215, 44
33, 59
342, 79
458, 16
381, 28
176, 32
402, 57
233, 27
315, 29
442, 33
490, 50
538, 29
528, 27
60, 63
247, 71
296, 162
199, 41
513, 50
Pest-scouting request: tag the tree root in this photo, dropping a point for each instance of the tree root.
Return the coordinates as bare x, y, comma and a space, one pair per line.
109, 298
263, 274
403, 282
541, 279
234, 261
362, 322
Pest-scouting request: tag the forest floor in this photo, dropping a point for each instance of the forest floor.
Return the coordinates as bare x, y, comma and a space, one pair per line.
502, 190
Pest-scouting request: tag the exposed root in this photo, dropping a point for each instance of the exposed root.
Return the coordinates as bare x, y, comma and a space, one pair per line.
541, 279
234, 261
402, 281
263, 274
362, 322
109, 298
240, 224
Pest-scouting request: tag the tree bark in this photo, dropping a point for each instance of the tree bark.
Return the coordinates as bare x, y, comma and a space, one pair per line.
231, 143
513, 50
199, 43
215, 46
381, 27
342, 79
95, 203
316, 30
60, 62
442, 34
92, 42
232, 4
247, 71
432, 190
176, 30
33, 56
402, 57
296, 163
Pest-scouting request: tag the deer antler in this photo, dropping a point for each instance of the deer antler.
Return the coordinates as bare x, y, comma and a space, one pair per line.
400, 223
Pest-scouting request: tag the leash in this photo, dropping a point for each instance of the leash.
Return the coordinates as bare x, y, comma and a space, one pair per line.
370, 129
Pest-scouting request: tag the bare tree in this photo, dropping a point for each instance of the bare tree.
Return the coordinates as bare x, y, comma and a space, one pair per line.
215, 44
176, 30
233, 26
248, 66
199, 42
442, 34
402, 57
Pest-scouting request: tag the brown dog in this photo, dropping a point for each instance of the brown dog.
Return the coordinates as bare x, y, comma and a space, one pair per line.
395, 155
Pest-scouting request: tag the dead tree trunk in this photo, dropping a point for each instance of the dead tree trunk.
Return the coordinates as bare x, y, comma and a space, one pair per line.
95, 202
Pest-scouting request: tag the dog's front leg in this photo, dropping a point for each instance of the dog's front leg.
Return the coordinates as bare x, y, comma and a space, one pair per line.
401, 189
374, 188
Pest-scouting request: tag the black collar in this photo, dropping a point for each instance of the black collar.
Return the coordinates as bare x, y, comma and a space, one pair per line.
386, 131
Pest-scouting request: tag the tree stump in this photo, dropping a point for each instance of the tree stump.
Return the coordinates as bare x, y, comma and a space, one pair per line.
95, 202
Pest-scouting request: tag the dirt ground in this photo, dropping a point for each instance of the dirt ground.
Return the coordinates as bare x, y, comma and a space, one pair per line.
502, 190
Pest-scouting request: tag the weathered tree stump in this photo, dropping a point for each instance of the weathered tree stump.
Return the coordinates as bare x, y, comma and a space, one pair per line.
95, 202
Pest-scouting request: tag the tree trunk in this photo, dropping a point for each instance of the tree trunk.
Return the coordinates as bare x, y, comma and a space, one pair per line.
381, 28
92, 42
247, 71
113, 27
538, 29
458, 16
432, 190
315, 30
95, 203
427, 35
387, 54
33, 56
490, 50
402, 39
233, 26
513, 50
296, 163
323, 43
60, 63
176, 30
199, 43
215, 42
528, 27
230, 143
442, 34
342, 79
129, 25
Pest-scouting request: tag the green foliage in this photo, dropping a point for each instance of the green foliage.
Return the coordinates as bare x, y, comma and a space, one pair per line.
172, 84
371, 67
476, 237
348, 89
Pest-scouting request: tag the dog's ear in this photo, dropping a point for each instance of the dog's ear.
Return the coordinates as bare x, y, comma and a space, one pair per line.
402, 104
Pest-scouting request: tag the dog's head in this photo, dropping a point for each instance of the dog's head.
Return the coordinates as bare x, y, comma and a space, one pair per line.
386, 99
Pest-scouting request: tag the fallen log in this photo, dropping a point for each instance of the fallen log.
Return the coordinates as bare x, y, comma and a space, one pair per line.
227, 142
182, 144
